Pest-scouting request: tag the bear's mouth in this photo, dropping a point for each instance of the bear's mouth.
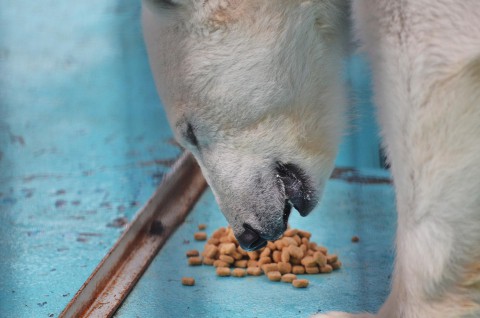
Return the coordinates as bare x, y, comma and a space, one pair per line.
298, 189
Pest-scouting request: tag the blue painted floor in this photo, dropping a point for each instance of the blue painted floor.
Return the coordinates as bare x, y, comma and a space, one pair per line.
83, 144
348, 209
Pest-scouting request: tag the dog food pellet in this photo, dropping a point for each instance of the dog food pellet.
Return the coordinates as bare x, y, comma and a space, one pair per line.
336, 265
223, 271
220, 263
355, 239
274, 276
252, 263
210, 251
295, 252
308, 261
254, 271
320, 258
195, 261
290, 232
304, 234
227, 259
192, 253
288, 278
284, 268
312, 270
297, 269
238, 272
269, 268
213, 241
282, 260
332, 258
227, 248
264, 260
202, 227
300, 283
253, 255
326, 269
241, 264
200, 236
188, 281
277, 256
266, 252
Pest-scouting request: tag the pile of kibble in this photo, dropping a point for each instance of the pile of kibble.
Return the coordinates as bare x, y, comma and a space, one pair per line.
282, 260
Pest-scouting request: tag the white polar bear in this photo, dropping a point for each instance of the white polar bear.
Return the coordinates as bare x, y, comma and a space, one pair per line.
253, 88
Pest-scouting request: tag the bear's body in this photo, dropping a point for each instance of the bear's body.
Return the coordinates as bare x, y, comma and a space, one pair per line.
253, 89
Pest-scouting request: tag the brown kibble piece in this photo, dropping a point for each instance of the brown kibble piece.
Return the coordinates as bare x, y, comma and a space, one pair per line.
202, 227
298, 269
266, 252
219, 233
227, 259
284, 268
285, 255
223, 271
252, 263
271, 246
304, 234
287, 241
320, 258
227, 248
290, 233
208, 261
200, 236
308, 261
241, 263
195, 261
288, 278
237, 256
355, 239
210, 251
239, 272
332, 258
300, 283
253, 255
277, 256
295, 252
336, 265
254, 271
213, 241
219, 263
279, 244
270, 268
242, 251
322, 249
264, 260
274, 276
188, 281
312, 270
297, 239
192, 253
326, 269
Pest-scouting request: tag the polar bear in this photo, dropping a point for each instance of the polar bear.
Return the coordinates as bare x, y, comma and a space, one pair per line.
254, 89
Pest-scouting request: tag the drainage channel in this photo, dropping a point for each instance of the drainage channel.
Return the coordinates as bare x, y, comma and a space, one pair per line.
124, 264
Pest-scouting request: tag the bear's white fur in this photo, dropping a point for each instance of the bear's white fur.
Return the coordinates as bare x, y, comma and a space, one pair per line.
260, 81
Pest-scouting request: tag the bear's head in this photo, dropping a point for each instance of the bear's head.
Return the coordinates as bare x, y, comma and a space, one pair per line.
253, 88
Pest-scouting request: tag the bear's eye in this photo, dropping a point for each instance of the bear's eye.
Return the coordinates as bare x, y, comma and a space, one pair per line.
190, 135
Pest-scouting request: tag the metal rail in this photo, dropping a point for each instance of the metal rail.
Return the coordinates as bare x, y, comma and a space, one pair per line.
122, 267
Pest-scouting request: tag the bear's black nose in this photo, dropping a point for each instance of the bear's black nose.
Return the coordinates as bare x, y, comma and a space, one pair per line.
250, 240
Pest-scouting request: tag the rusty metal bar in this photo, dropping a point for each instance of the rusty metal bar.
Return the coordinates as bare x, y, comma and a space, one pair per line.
121, 268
